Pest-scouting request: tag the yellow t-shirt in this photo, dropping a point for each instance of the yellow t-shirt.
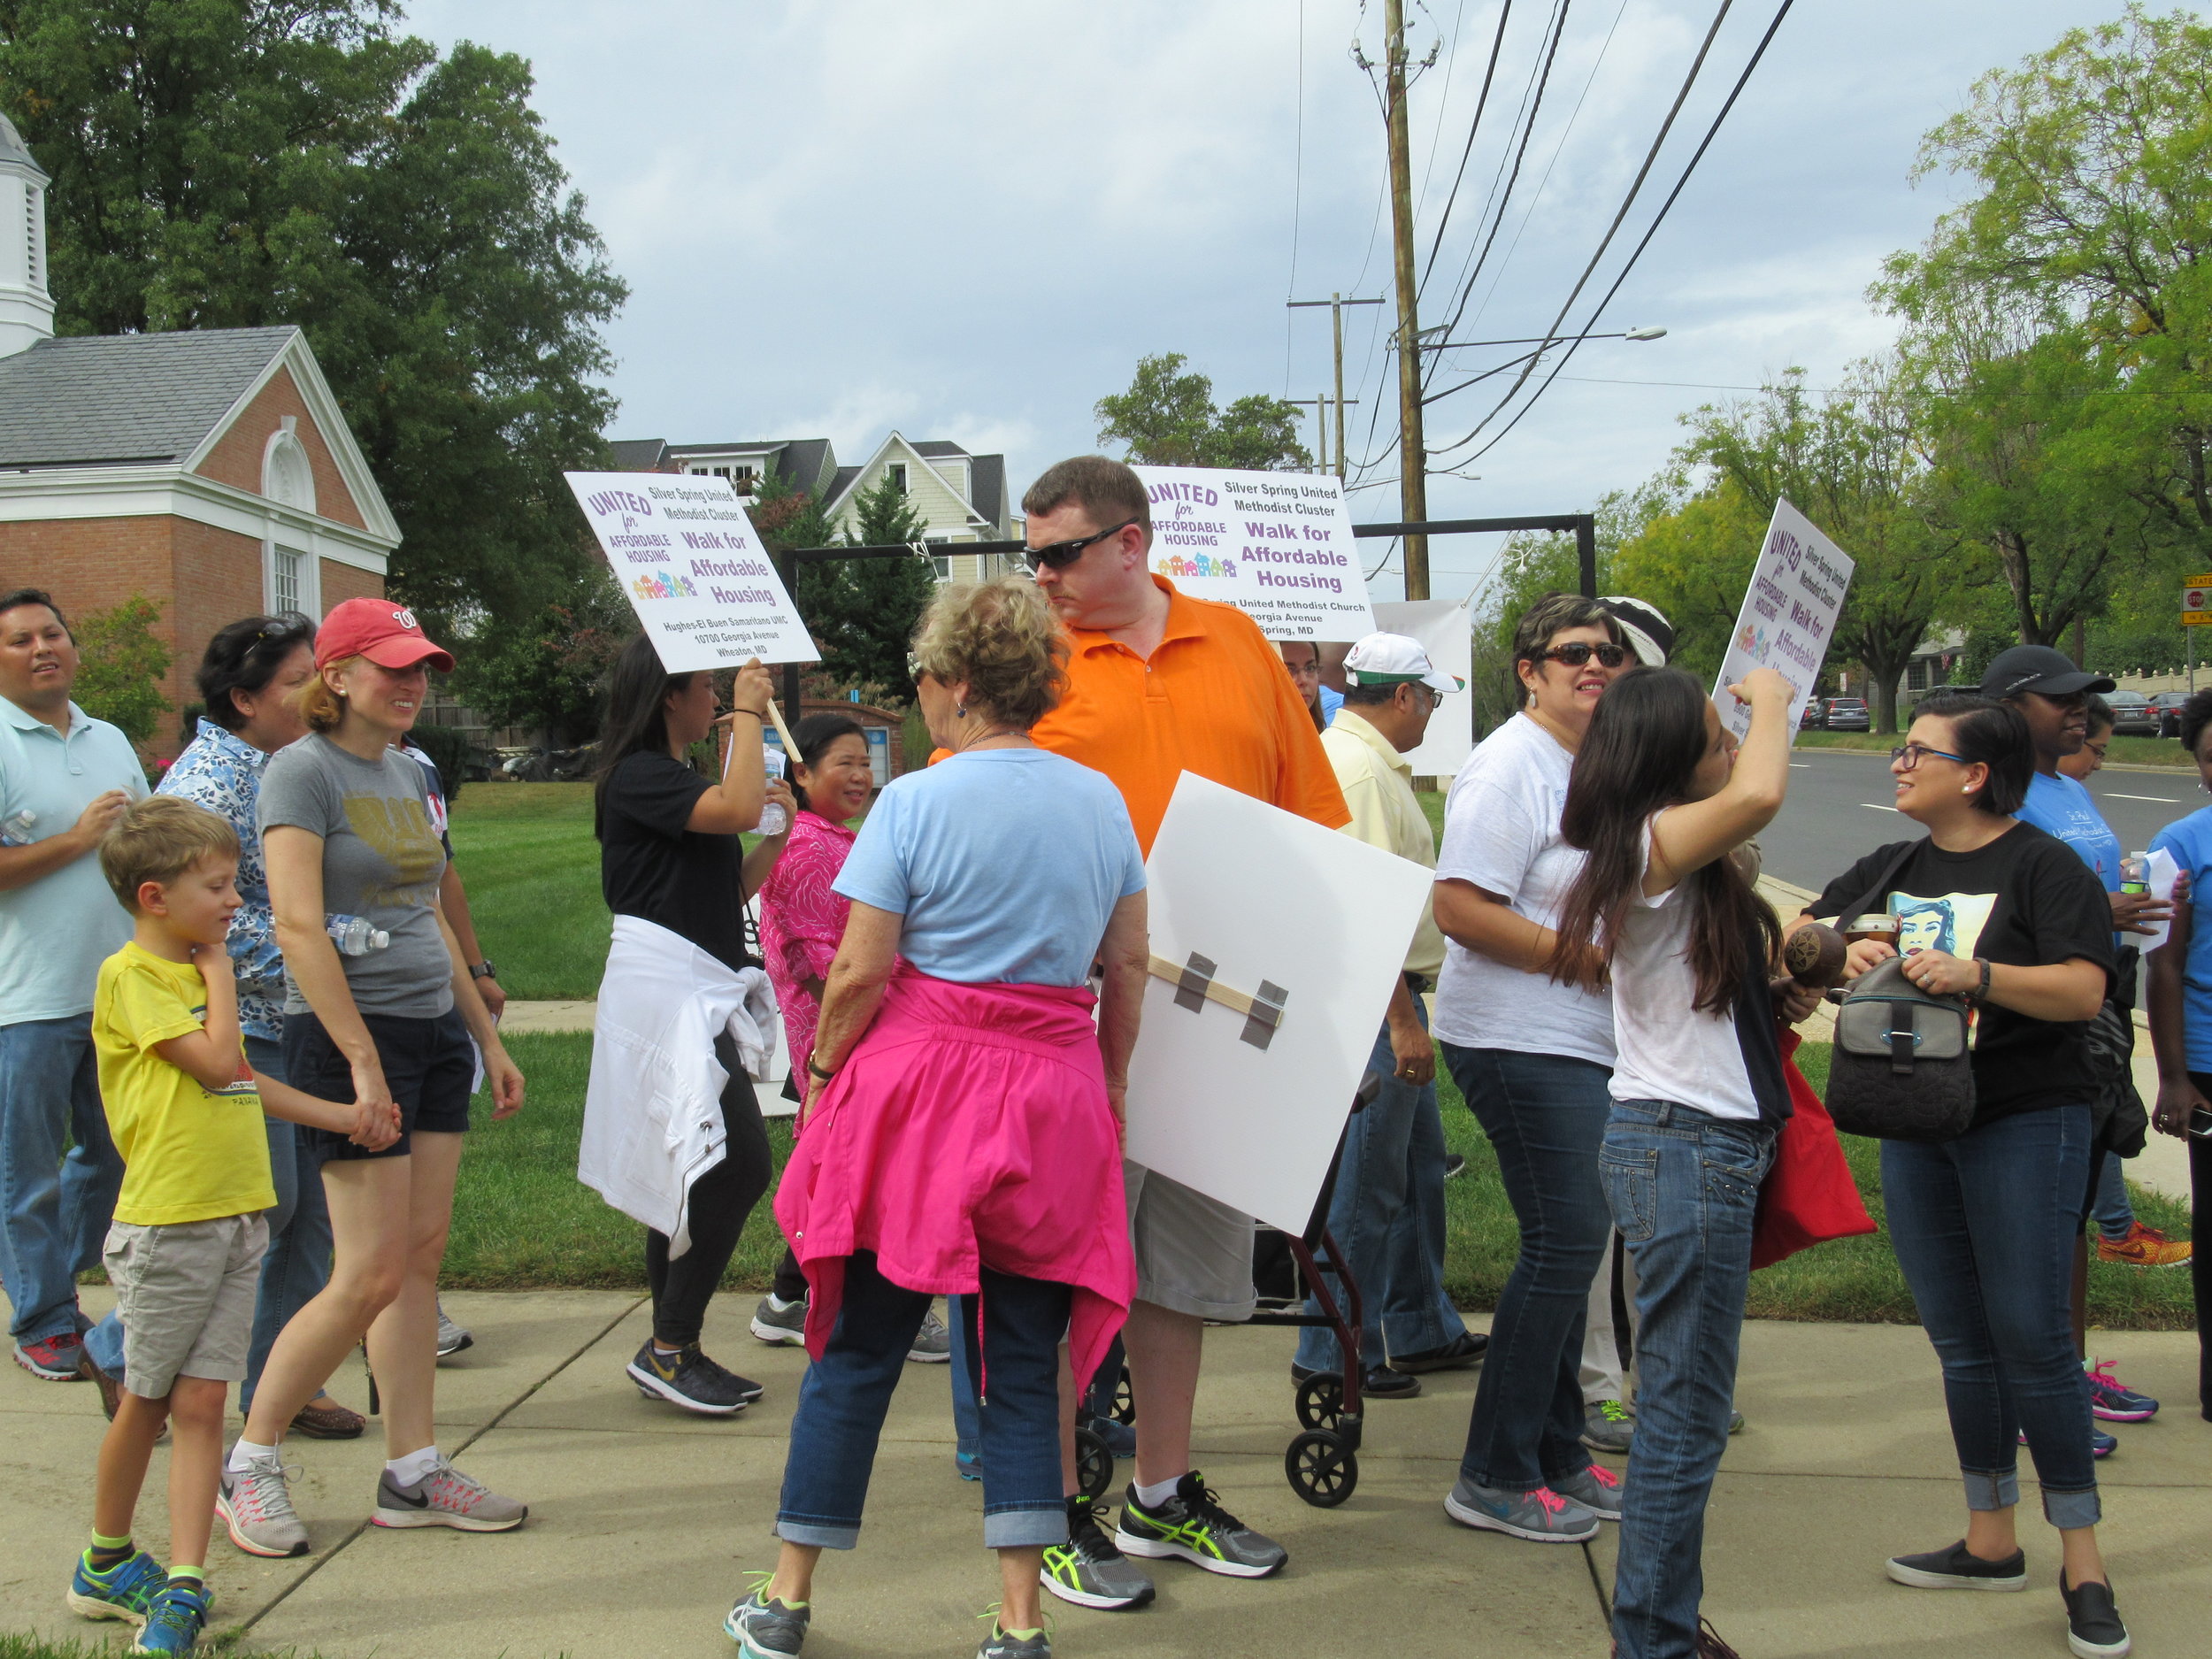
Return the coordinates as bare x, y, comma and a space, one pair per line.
189, 1153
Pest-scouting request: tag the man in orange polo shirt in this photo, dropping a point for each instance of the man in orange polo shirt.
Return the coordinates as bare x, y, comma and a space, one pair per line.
1160, 684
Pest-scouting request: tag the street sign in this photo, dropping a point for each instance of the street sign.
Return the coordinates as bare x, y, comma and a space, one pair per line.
2196, 602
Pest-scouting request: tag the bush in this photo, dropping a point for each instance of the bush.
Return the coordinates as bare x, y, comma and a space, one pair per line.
123, 667
451, 747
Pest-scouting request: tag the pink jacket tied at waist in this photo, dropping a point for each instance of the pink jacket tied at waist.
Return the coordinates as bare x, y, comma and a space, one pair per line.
968, 1125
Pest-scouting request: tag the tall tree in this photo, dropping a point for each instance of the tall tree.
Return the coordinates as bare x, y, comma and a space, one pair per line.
1167, 418
237, 163
861, 613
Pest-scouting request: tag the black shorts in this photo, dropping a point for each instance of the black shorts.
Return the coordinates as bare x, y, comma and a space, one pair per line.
429, 1065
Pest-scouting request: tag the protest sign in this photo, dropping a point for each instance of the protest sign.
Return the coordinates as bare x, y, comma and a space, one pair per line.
1277, 545
1272, 900
685, 556
1789, 614
1442, 628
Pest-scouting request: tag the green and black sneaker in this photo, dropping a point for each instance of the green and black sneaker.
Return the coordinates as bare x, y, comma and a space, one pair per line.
1193, 1524
1087, 1570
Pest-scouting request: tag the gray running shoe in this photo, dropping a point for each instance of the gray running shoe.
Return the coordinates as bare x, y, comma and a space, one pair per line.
784, 1325
687, 1377
451, 1338
1541, 1516
763, 1629
1608, 1426
1735, 1422
999, 1645
933, 1343
255, 1506
446, 1497
1087, 1570
1597, 1489
1193, 1525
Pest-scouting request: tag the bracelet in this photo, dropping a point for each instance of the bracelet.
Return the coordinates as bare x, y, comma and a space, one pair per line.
1980, 992
817, 1071
756, 713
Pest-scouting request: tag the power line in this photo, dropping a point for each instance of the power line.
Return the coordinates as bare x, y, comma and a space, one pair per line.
1481, 103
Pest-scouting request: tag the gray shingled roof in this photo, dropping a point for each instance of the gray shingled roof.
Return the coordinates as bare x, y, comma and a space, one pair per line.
937, 448
638, 455
840, 481
809, 464
986, 486
110, 399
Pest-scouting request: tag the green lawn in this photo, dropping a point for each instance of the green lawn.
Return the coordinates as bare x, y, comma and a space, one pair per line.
526, 852
2130, 751
522, 1219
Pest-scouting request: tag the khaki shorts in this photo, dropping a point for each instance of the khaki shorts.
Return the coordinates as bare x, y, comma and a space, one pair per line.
1194, 1253
186, 1294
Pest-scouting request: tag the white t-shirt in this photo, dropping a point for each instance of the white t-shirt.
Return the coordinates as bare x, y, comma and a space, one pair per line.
1502, 834
1669, 1051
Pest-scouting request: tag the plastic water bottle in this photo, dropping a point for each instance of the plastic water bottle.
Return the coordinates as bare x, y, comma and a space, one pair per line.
353, 935
15, 829
774, 819
2135, 873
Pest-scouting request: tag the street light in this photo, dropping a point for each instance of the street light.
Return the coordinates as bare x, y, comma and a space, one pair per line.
1539, 340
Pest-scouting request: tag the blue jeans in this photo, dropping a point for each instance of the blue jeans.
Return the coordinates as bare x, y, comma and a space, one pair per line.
2109, 1206
1683, 1187
967, 1422
1983, 1227
1388, 1216
55, 1206
848, 1391
1545, 1115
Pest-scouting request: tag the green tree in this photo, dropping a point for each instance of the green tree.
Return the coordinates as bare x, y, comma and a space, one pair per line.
234, 162
549, 669
861, 613
123, 665
1167, 418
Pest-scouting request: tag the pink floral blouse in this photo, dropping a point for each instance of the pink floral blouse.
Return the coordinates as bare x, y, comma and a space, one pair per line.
801, 922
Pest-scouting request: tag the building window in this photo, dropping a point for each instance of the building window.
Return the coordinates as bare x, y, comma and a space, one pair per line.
897, 470
289, 581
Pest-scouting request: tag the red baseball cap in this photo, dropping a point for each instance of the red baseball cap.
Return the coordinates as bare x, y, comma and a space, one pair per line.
387, 633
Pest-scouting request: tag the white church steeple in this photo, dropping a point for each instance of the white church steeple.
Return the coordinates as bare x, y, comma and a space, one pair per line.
27, 310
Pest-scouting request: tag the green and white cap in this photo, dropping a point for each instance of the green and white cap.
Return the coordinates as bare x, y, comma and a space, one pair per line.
1392, 659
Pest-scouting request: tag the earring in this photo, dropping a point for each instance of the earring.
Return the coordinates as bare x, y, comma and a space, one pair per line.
961, 710
1966, 788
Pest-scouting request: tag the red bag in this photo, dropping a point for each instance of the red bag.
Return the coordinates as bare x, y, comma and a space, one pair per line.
1809, 1195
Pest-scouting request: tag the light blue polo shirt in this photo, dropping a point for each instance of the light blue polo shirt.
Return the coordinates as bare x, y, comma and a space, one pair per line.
56, 932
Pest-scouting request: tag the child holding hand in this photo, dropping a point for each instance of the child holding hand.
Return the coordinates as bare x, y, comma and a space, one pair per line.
185, 1251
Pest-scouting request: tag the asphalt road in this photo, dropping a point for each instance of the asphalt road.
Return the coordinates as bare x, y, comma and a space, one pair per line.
1839, 810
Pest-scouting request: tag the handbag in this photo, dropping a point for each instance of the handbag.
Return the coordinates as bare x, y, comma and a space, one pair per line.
1902, 1067
1809, 1195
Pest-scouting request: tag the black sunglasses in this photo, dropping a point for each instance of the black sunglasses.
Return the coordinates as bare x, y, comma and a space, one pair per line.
1575, 653
1060, 555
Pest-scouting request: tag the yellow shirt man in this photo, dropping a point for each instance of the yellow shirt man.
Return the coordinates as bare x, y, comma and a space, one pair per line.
1377, 785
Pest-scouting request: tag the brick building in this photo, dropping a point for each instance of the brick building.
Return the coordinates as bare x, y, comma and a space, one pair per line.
210, 471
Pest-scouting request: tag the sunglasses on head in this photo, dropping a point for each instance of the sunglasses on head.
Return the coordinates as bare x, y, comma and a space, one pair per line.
1060, 555
1575, 653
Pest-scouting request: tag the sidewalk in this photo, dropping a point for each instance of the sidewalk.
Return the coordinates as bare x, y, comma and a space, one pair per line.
643, 1521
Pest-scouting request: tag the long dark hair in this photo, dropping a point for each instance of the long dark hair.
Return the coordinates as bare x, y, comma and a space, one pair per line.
1638, 757
245, 656
814, 736
637, 716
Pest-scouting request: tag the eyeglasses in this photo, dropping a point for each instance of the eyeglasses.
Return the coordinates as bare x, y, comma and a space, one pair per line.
1575, 653
1060, 555
1907, 757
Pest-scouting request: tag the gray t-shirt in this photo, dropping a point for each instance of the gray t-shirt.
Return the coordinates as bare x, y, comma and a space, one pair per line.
381, 860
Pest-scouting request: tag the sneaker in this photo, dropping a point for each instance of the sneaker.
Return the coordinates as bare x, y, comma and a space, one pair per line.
125, 1591
110, 1388
1382, 1381
53, 1358
969, 1463
1087, 1570
2100, 1444
1002, 1644
256, 1505
763, 1629
1608, 1426
2145, 1247
2113, 1402
1735, 1422
2094, 1630
451, 1338
688, 1378
1597, 1489
1541, 1516
446, 1497
1193, 1524
1455, 1166
1954, 1569
933, 1343
771, 1324
1467, 1349
1120, 1438
179, 1615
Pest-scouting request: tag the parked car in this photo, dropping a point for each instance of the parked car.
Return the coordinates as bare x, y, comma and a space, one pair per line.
1815, 710
2167, 706
1847, 714
2132, 715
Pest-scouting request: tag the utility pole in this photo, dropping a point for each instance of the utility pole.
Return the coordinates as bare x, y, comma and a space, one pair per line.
1413, 491
1336, 303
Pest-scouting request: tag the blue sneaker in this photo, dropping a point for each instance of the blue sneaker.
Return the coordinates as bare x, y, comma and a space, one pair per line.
179, 1614
2100, 1444
764, 1629
970, 1464
2116, 1402
1120, 1438
125, 1591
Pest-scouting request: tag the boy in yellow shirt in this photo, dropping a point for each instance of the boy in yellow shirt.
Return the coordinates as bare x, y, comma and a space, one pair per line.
185, 1251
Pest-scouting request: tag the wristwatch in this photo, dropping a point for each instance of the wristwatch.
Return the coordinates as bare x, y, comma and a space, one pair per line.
821, 1074
484, 970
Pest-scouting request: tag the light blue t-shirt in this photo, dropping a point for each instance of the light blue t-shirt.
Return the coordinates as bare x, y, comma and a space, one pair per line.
56, 932
1331, 702
2061, 807
1005, 862
2190, 841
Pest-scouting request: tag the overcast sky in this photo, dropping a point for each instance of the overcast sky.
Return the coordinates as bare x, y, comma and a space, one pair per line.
967, 220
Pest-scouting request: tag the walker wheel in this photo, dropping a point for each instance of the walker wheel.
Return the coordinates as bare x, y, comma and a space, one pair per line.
1321, 1469
1124, 1402
1094, 1464
1321, 1400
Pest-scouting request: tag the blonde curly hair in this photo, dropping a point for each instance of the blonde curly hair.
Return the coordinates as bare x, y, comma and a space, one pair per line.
1002, 641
